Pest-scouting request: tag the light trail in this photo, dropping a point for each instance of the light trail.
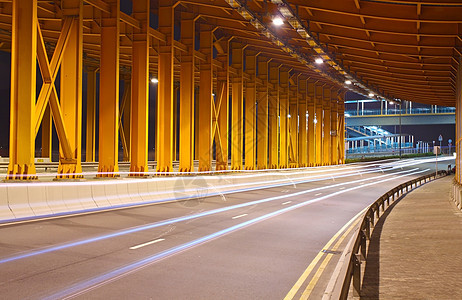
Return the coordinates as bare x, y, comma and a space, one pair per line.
185, 218
88, 285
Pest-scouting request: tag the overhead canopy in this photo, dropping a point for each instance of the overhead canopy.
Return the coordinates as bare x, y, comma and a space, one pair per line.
407, 50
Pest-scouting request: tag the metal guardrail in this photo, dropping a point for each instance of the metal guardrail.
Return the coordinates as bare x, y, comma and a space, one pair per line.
357, 251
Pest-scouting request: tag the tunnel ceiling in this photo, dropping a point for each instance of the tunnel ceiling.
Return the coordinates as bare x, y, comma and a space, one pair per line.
394, 49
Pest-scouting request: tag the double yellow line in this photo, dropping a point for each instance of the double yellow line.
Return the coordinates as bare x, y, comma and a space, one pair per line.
339, 237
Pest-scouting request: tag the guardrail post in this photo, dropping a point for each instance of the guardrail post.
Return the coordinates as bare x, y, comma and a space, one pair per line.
368, 227
363, 244
356, 275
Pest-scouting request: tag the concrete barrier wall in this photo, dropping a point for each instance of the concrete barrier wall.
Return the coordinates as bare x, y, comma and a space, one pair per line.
20, 201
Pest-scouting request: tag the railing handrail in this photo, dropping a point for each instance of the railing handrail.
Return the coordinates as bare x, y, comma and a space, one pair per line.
359, 251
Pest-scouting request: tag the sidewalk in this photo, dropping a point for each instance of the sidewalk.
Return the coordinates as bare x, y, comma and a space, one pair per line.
416, 248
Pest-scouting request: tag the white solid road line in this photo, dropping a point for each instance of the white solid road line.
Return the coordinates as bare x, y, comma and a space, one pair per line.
146, 244
286, 202
240, 216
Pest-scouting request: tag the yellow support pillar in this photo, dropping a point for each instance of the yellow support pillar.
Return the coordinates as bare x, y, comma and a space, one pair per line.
327, 140
250, 111
164, 137
302, 129
71, 91
47, 134
91, 115
109, 93
334, 128
319, 123
222, 107
283, 120
186, 155
139, 111
293, 122
262, 115
237, 107
23, 85
341, 127
205, 101
274, 116
311, 124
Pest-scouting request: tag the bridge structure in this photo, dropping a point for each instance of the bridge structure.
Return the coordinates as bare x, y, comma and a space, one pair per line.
231, 84
256, 87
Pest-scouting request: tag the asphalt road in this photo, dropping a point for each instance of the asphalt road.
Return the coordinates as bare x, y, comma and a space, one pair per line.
249, 245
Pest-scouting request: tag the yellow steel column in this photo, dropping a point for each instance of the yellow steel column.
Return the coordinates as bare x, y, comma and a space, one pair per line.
237, 107
311, 124
23, 85
186, 156
139, 111
222, 133
274, 116
46, 134
164, 137
458, 143
318, 122
283, 122
262, 115
341, 127
327, 141
91, 115
205, 100
125, 118
109, 93
334, 128
71, 91
293, 122
250, 110
302, 128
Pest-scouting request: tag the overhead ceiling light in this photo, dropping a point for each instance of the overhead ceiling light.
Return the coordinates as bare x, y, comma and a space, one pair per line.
391, 102
278, 21
319, 60
371, 95
347, 81
154, 80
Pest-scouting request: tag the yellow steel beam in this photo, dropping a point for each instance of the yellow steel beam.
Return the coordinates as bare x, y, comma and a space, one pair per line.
138, 139
91, 116
334, 127
302, 119
109, 93
341, 126
262, 116
293, 122
49, 70
319, 124
71, 92
283, 120
187, 66
311, 107
222, 107
250, 111
274, 116
237, 107
164, 137
205, 100
327, 140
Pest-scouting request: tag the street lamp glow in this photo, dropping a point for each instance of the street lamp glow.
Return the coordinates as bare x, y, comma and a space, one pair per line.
278, 21
319, 61
371, 95
348, 82
315, 121
154, 80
